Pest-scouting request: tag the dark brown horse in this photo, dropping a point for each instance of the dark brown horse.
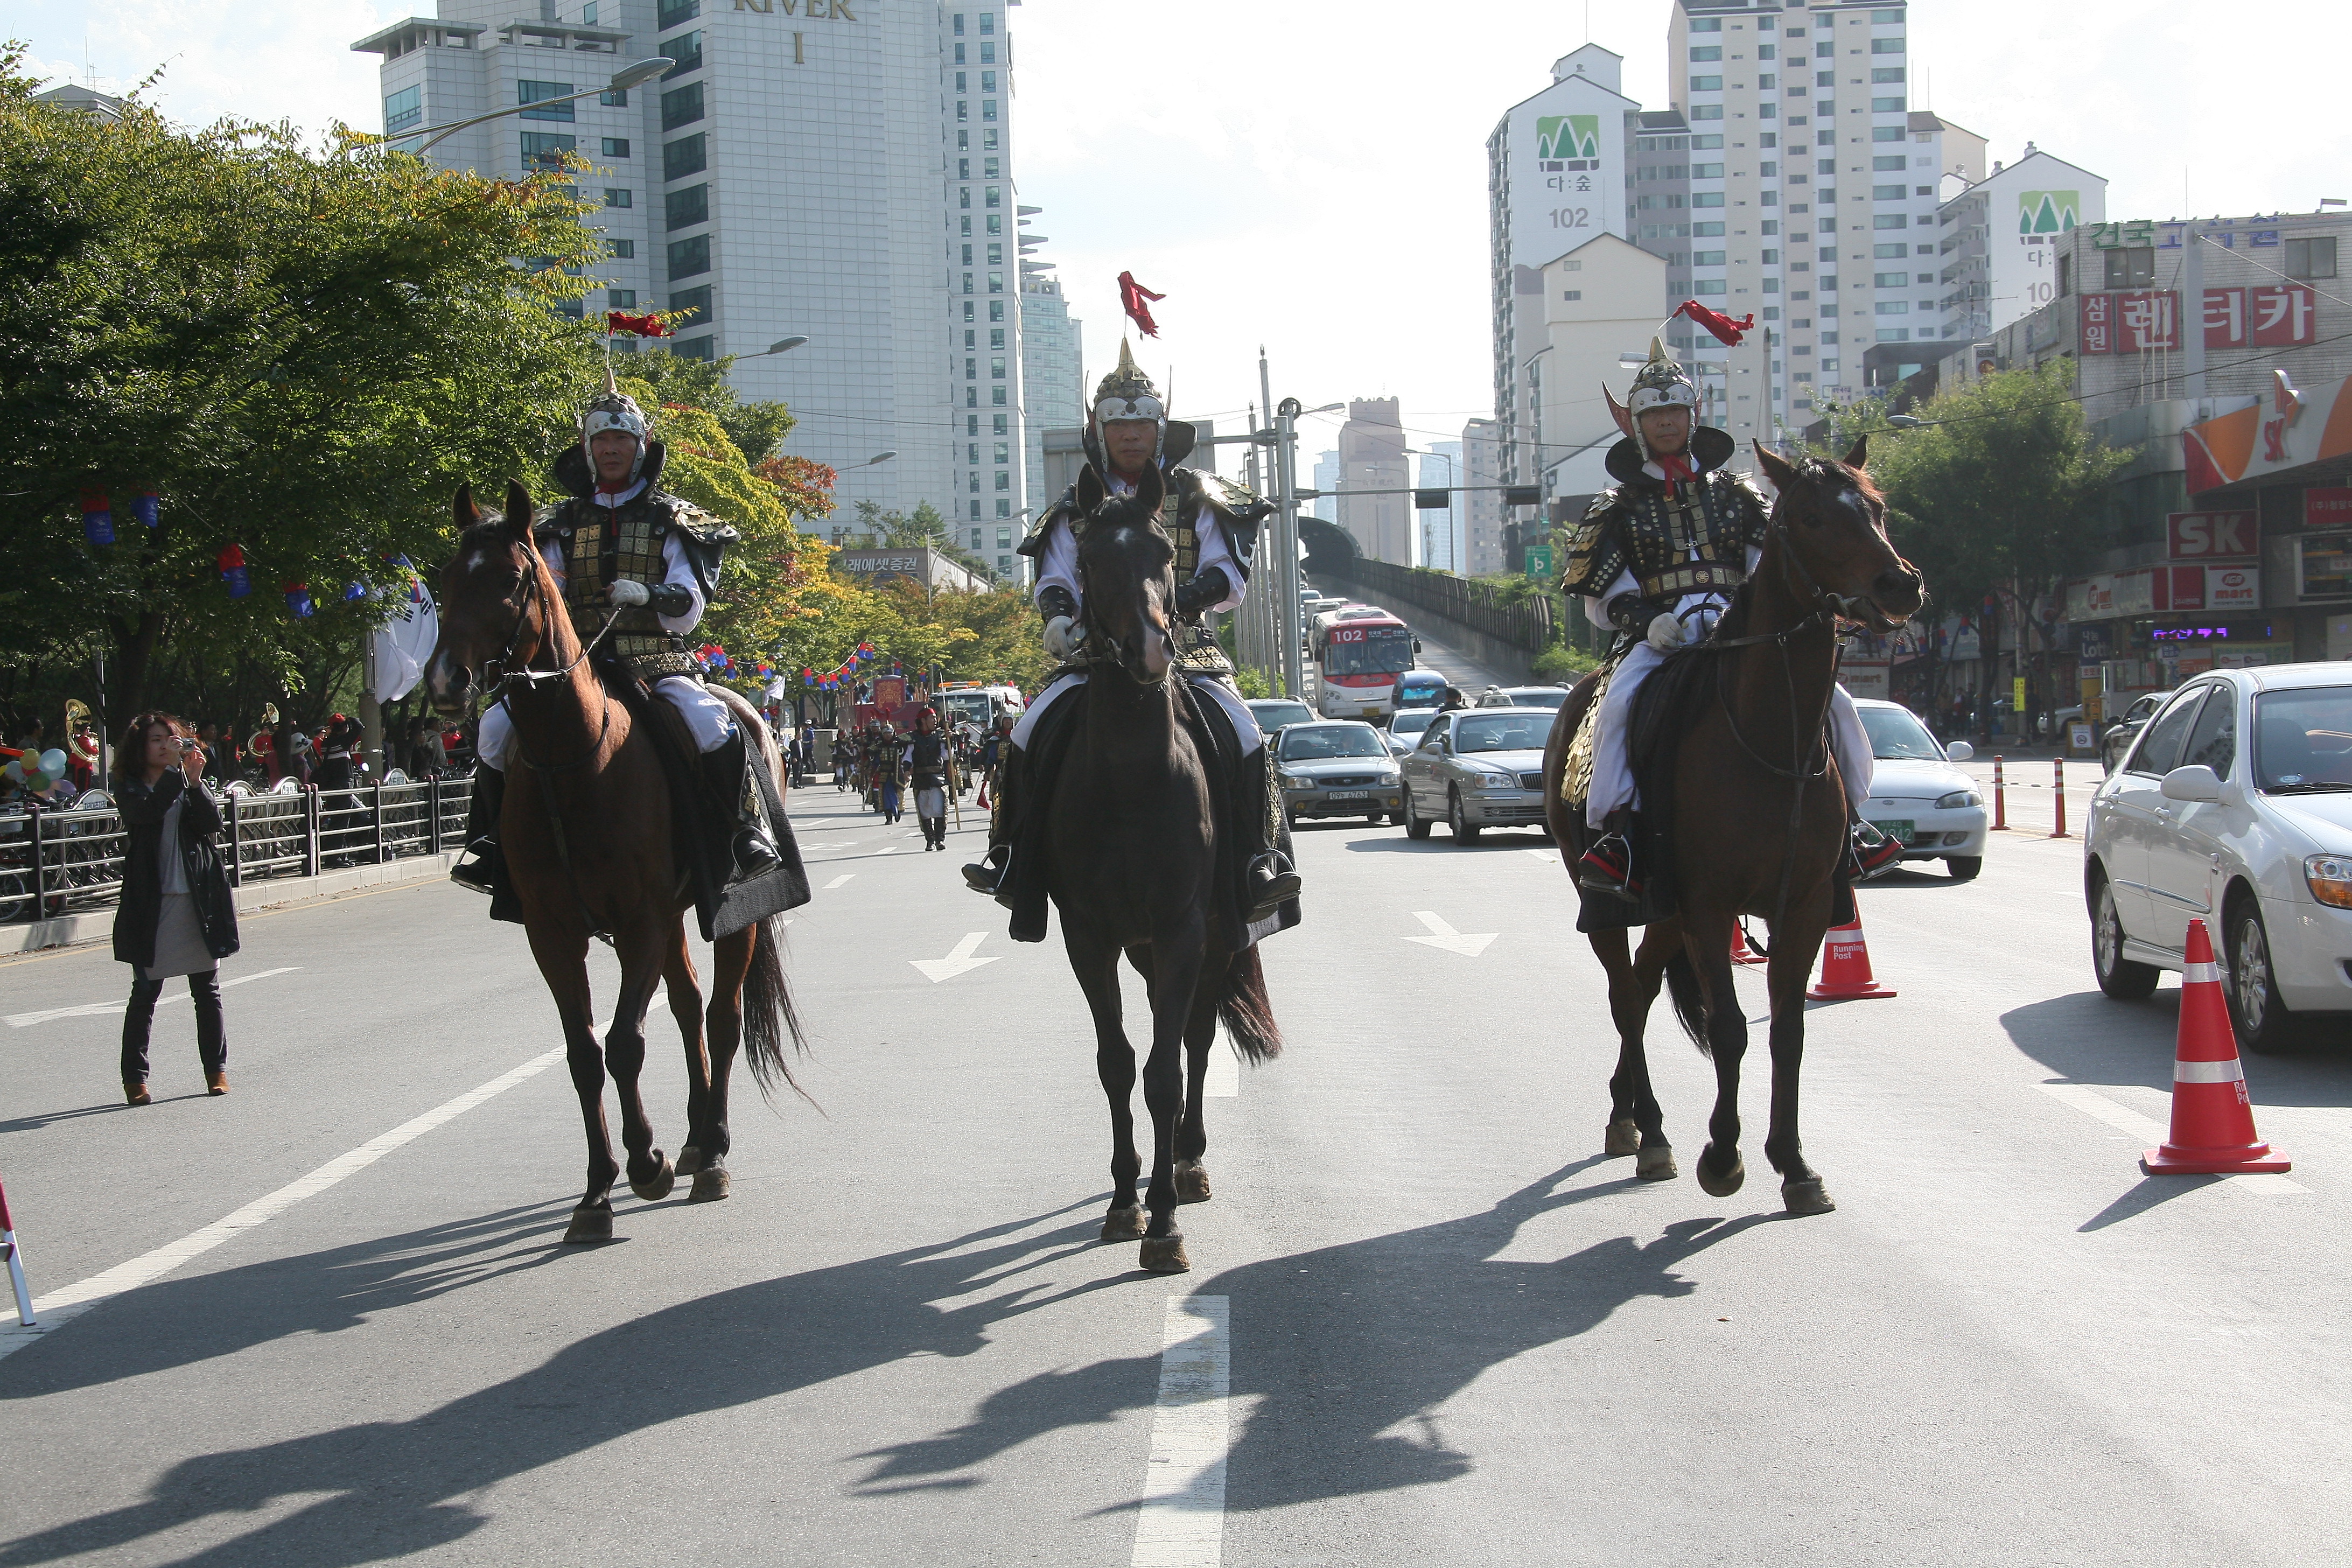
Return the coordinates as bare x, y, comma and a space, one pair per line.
1759, 816
586, 826
1132, 866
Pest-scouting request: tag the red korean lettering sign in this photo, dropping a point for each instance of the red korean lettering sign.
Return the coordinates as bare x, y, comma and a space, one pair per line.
2285, 315
2210, 535
2096, 324
2148, 319
2185, 590
2328, 505
2225, 318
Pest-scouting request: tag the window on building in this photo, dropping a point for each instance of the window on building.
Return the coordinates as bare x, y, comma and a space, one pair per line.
1707, 24
1003, 452
1714, 257
1890, 279
1004, 480
997, 398
1886, 106
1706, 84
996, 253
687, 51
958, 24
704, 349
620, 298
622, 249
537, 92
1704, 52
996, 337
695, 299
2066, 276
1890, 220
996, 224
987, 54
1887, 45
670, 13
403, 109
971, 398
967, 255
995, 197
1887, 192
958, 54
1706, 171
546, 148
987, 23
1706, 230
687, 155
617, 146
1004, 509
1706, 286
996, 284
992, 168
1766, 80
2132, 267
1882, 74
681, 106
1894, 334
1004, 539
612, 99
617, 197
688, 257
963, 82
683, 209
996, 368
2314, 258
1706, 112
1882, 164
1879, 250
967, 304
1000, 427
971, 367
1886, 133
1825, 138
1894, 307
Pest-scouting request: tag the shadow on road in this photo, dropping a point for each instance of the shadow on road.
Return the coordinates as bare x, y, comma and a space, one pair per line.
2092, 1039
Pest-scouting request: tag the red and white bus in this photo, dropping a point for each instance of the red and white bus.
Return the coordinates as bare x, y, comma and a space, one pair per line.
1359, 651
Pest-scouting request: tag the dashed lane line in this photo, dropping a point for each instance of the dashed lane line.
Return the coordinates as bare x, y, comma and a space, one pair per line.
2124, 1120
836, 881
93, 1009
1181, 1523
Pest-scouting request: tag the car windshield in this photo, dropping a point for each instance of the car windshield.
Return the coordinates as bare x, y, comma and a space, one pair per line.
1313, 742
1897, 735
1508, 731
2302, 740
1549, 697
1411, 720
1277, 715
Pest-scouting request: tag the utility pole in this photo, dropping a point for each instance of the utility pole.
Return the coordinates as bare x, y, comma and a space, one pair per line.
1285, 543
2191, 325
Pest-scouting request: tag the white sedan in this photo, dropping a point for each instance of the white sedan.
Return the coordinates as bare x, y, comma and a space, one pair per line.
2254, 839
1915, 794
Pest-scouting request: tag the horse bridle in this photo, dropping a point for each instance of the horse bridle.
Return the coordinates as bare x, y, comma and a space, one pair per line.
1097, 636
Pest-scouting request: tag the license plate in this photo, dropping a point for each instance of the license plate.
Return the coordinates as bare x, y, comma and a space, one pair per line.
1903, 832
1349, 795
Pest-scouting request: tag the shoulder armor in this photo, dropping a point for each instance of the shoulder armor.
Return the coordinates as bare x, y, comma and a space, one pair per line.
1603, 503
692, 522
1034, 545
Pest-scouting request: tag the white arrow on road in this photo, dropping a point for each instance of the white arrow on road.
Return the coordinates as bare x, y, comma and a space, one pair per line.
1468, 944
958, 961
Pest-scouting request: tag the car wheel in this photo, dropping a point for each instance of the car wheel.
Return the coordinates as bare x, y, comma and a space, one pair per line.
1964, 867
1458, 821
1415, 825
1396, 818
2261, 1020
2118, 977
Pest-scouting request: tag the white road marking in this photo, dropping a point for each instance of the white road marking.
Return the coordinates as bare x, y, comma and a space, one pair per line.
59, 1308
1225, 1080
1468, 944
93, 1009
836, 881
2091, 1102
958, 961
1181, 1523
888, 849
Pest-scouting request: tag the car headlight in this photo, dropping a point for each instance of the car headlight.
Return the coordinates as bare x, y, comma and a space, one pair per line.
2329, 877
1958, 798
1391, 778
1292, 780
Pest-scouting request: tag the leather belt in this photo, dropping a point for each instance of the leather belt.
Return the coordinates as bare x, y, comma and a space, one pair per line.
1697, 577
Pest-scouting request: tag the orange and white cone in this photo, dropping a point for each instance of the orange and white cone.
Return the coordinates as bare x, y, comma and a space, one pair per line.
14, 1256
1741, 953
2212, 1119
1845, 967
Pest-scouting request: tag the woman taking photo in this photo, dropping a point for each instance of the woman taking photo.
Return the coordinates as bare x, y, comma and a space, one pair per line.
177, 915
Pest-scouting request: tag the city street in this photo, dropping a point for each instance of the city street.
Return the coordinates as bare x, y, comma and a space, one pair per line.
1426, 1322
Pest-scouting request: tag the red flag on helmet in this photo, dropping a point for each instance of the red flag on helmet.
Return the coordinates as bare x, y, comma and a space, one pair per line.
1727, 330
646, 326
1131, 298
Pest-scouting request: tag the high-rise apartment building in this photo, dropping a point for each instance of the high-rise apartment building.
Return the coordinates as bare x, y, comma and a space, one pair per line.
820, 167
1373, 458
1482, 504
1327, 482
2001, 237
1440, 531
1052, 384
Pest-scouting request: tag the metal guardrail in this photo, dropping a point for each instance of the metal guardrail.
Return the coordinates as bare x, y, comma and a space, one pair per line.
1530, 623
66, 862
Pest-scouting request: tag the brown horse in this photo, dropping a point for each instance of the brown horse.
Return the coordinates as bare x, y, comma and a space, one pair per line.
586, 826
1759, 816
1132, 866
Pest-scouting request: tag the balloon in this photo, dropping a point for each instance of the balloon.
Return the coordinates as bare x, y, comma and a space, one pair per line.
12, 770
53, 761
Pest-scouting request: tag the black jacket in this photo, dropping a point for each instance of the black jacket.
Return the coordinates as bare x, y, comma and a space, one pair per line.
142, 807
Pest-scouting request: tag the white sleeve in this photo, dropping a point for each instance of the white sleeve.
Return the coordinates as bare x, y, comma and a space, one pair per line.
1215, 553
681, 574
1058, 567
553, 553
1597, 610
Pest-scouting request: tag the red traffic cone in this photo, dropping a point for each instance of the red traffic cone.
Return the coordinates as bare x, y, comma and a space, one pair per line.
1741, 953
2212, 1119
14, 1256
1845, 967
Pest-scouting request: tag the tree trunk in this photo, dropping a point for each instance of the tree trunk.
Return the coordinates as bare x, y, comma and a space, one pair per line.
135, 658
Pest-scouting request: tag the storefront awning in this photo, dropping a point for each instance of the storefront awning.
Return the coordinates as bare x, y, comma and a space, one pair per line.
2290, 436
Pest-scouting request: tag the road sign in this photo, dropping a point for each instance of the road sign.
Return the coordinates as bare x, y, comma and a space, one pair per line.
1539, 564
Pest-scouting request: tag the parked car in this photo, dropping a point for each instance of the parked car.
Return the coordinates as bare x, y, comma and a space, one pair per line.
1536, 695
1478, 768
1406, 727
2233, 805
1336, 767
2125, 730
1276, 714
1915, 794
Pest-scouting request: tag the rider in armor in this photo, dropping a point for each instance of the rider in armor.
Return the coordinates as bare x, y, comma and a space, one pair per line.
1656, 560
1213, 527
624, 550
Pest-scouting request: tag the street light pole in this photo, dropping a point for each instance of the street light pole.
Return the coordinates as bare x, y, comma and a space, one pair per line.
1294, 676
627, 77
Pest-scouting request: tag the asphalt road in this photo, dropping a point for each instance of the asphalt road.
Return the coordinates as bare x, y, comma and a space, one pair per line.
1426, 1322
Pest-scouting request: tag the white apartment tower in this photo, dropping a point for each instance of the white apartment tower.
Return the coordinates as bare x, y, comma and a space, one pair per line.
1052, 382
840, 168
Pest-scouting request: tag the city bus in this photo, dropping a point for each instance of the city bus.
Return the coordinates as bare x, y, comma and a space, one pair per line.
1359, 651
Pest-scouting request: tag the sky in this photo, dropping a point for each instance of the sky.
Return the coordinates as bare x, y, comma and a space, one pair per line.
1309, 175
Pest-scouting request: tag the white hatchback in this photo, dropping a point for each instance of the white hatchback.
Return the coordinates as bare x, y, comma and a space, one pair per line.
2233, 807
1915, 794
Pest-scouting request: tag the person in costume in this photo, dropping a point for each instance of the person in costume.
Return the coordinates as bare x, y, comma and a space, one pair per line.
624, 550
926, 762
1656, 561
1213, 527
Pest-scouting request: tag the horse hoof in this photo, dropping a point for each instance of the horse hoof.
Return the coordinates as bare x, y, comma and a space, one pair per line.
1807, 1197
710, 1186
1192, 1182
1655, 1163
1621, 1138
689, 1162
1724, 1185
659, 1187
1165, 1255
590, 1225
1123, 1225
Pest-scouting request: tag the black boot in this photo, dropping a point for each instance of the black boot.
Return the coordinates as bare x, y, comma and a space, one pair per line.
483, 866
1869, 851
1607, 866
727, 773
987, 874
1268, 880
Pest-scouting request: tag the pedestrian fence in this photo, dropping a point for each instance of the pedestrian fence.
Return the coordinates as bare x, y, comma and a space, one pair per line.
69, 861
1529, 621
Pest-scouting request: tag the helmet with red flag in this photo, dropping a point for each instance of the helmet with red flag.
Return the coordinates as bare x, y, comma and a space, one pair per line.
1660, 383
613, 409
1127, 392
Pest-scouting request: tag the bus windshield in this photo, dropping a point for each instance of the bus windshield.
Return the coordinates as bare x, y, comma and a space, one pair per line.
1368, 650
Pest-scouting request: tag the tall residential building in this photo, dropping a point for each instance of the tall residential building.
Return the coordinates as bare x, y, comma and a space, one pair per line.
1372, 457
838, 169
2001, 238
1482, 504
1440, 531
1327, 481
1053, 385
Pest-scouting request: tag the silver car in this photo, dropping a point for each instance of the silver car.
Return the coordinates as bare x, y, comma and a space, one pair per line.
1336, 767
1478, 768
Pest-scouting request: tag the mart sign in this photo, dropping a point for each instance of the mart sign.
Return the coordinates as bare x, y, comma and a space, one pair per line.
1567, 136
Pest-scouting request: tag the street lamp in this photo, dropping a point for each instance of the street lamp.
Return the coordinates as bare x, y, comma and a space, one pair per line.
877, 458
782, 345
627, 77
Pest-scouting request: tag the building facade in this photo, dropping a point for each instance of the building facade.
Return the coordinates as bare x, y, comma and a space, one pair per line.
1327, 486
2000, 239
1441, 530
1053, 381
808, 167
1373, 458
1483, 515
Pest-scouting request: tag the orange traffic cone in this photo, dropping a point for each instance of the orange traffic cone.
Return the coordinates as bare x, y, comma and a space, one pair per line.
13, 1253
2212, 1121
1741, 953
1845, 967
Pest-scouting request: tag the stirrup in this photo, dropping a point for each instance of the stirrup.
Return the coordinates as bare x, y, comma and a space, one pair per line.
1608, 868
752, 854
1272, 884
986, 875
1871, 858
477, 870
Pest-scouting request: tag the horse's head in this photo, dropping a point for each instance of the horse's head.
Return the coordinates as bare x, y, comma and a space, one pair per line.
1832, 522
492, 611
1126, 575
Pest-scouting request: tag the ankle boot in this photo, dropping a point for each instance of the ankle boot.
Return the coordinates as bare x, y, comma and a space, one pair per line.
726, 774
483, 866
986, 875
1269, 880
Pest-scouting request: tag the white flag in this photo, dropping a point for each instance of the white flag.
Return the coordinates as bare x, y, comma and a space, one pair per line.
405, 642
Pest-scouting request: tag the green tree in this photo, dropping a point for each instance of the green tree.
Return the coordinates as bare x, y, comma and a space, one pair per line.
755, 427
923, 527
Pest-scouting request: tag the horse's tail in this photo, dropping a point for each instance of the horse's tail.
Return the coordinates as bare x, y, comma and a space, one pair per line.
769, 1019
1689, 998
1246, 1011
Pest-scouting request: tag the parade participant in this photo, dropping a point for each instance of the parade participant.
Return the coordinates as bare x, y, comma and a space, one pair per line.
629, 552
890, 773
928, 763
1656, 560
1129, 434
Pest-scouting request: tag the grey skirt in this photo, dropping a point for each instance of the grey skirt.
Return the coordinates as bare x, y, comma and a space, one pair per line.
931, 802
179, 941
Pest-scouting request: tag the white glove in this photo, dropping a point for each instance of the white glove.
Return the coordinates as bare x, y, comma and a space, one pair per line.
628, 594
1666, 633
1063, 637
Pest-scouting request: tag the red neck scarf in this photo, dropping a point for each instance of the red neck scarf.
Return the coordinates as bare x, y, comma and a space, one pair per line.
1677, 467
613, 487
